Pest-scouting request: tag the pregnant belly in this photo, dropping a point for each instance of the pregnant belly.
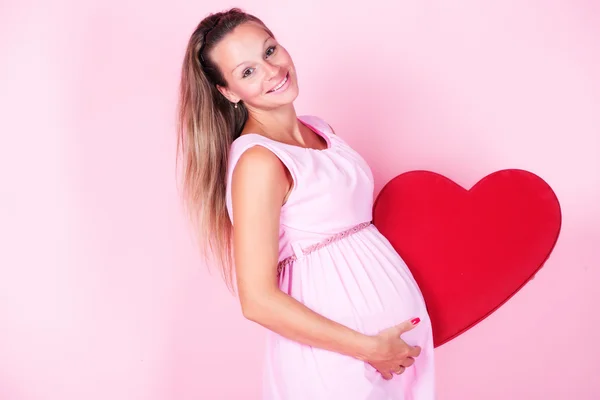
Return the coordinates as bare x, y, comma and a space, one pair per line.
360, 282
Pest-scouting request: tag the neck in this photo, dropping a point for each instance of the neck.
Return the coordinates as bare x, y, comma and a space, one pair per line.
280, 124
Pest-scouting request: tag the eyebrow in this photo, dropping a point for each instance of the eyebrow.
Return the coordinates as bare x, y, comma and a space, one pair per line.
266, 40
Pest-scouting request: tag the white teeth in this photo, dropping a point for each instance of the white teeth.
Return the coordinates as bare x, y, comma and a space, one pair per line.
281, 84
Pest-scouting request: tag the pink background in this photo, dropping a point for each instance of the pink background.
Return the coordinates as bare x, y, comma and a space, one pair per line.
102, 294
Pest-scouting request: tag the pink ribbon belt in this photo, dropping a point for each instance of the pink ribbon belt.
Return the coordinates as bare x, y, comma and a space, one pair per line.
288, 260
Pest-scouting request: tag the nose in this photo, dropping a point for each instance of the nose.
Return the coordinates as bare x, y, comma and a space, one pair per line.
271, 70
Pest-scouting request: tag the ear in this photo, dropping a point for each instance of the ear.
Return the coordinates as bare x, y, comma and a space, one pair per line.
228, 94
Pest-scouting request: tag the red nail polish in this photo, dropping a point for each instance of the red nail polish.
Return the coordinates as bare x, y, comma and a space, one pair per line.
415, 321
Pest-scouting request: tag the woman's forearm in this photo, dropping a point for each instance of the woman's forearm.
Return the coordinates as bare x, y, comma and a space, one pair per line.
289, 318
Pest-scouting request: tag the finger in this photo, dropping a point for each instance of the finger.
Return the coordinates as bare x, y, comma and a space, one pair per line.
386, 375
407, 325
399, 370
414, 351
408, 362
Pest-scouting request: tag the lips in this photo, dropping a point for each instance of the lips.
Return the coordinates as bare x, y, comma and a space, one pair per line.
281, 83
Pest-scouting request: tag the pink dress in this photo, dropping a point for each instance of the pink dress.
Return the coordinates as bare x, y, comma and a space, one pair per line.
339, 265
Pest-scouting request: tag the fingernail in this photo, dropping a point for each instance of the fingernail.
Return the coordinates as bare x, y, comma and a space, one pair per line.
415, 321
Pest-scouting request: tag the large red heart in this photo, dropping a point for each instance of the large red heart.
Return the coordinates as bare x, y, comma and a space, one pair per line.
469, 250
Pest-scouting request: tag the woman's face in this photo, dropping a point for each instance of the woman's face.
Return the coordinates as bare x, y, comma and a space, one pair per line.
258, 70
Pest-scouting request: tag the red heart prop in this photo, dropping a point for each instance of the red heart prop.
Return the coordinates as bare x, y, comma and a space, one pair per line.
469, 250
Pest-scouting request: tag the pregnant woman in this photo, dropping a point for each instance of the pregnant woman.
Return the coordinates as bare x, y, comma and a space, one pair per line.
285, 205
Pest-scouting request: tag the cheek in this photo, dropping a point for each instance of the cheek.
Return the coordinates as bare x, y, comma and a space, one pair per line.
250, 89
285, 56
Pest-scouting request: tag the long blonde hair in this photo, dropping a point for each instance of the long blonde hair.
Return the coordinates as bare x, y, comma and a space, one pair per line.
207, 125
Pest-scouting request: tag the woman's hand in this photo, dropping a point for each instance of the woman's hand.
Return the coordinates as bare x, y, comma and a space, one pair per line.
392, 355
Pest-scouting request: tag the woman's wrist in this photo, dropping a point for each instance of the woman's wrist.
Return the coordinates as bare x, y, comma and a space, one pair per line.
366, 346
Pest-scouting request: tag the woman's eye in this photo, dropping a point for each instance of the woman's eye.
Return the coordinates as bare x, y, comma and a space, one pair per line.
247, 72
271, 50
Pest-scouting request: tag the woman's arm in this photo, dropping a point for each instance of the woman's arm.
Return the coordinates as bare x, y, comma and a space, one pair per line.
259, 186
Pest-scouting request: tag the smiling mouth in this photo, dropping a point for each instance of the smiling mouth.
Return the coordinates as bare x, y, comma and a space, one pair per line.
280, 85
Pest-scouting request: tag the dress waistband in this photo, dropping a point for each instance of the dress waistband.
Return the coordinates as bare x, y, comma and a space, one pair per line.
334, 238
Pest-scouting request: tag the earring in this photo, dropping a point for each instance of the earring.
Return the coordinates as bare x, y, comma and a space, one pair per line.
235, 105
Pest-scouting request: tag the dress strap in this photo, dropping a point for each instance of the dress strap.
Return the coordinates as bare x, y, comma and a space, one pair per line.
317, 123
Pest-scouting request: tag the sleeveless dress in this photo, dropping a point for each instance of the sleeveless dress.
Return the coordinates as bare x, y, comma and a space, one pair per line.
334, 261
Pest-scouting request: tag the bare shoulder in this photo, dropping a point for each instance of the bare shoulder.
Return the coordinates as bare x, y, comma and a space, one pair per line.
258, 160
259, 169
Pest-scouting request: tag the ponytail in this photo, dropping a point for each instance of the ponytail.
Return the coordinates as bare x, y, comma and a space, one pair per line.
207, 125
